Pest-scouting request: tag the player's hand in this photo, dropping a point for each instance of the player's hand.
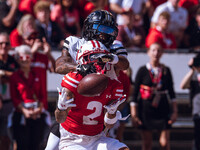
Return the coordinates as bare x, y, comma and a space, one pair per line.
112, 108
63, 102
110, 58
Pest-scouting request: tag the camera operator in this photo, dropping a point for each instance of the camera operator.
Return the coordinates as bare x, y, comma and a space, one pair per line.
191, 81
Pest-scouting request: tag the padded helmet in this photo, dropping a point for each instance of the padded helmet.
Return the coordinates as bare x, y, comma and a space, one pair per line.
100, 25
90, 51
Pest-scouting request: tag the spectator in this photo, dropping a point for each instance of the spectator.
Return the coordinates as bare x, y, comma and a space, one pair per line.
26, 23
159, 34
28, 96
7, 66
42, 61
151, 6
191, 81
178, 18
150, 108
130, 34
67, 16
42, 58
52, 32
8, 15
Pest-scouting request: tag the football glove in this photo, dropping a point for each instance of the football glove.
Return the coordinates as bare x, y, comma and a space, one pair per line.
112, 108
63, 102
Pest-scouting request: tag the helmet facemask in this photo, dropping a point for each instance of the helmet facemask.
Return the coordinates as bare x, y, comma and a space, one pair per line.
95, 60
89, 57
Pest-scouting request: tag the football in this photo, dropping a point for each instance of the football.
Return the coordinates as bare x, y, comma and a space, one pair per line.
92, 84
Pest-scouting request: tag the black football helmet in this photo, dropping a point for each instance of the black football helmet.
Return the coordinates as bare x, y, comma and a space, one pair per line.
100, 25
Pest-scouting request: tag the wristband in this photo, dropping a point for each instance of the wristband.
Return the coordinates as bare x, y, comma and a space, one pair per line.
113, 120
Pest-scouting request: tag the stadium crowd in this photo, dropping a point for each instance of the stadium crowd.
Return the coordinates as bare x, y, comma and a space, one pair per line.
31, 29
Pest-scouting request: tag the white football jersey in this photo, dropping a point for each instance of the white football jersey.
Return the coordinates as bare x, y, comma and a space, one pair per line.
72, 44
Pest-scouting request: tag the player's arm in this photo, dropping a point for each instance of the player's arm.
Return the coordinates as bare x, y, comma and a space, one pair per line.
65, 103
122, 64
64, 63
112, 115
119, 56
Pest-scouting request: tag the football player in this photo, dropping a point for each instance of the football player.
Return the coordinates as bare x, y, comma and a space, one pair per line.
82, 118
99, 25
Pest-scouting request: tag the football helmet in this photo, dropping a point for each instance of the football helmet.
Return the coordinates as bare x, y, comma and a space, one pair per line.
90, 54
100, 25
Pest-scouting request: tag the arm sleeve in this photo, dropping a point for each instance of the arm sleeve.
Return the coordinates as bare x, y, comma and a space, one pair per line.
118, 49
71, 81
156, 14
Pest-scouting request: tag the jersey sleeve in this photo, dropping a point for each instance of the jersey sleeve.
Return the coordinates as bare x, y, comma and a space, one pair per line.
66, 44
72, 44
118, 49
71, 81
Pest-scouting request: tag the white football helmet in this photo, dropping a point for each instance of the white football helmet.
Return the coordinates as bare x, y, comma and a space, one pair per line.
90, 52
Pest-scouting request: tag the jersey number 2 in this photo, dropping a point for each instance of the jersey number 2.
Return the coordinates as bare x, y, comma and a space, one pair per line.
89, 119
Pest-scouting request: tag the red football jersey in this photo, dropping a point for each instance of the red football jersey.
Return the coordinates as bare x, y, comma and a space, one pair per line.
87, 118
